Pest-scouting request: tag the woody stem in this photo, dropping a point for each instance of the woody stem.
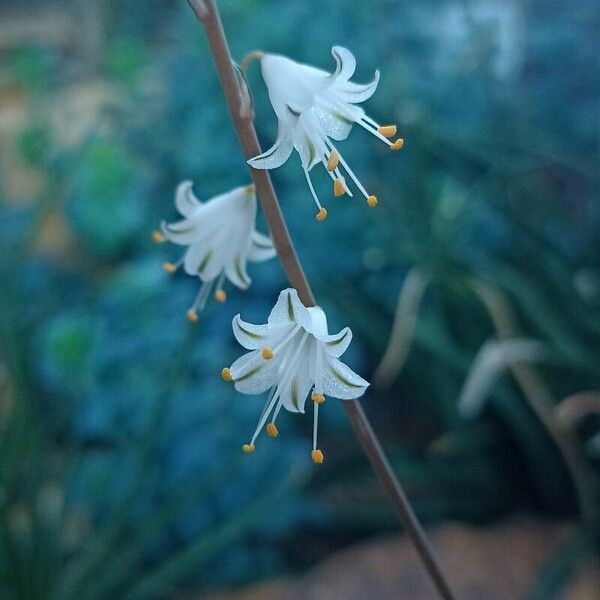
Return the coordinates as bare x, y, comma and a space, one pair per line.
207, 13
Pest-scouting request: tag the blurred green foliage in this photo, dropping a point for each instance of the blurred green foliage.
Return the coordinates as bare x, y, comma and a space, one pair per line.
120, 473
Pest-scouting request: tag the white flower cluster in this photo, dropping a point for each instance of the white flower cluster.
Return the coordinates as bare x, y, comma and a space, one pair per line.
293, 356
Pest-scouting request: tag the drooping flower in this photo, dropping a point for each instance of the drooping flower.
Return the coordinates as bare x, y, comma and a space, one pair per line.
294, 356
221, 238
314, 107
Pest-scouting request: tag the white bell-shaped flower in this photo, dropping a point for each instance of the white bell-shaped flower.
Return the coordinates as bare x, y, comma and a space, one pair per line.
221, 238
314, 107
294, 356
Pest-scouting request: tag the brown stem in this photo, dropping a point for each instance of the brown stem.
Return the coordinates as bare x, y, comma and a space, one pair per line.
208, 14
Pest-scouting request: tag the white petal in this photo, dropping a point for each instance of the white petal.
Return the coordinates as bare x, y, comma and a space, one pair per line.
336, 345
291, 83
294, 396
262, 248
345, 63
307, 150
318, 322
236, 272
332, 122
205, 259
185, 199
289, 309
184, 232
340, 381
354, 92
250, 336
253, 374
197, 258
278, 153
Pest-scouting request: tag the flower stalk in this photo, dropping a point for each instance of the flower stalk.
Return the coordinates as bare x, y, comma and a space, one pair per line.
207, 13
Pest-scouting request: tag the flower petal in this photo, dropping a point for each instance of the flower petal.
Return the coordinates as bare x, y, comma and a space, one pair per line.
345, 63
293, 397
340, 381
335, 345
262, 248
307, 150
278, 153
289, 309
355, 92
236, 272
332, 121
184, 232
185, 199
253, 374
196, 258
250, 336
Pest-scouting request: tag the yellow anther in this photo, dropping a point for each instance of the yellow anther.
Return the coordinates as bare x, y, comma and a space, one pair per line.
220, 296
248, 448
169, 267
321, 215
372, 201
267, 353
272, 430
397, 144
226, 374
192, 315
317, 457
338, 188
387, 131
318, 398
333, 160
158, 237
251, 188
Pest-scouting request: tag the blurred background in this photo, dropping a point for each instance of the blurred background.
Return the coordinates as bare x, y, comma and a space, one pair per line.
473, 290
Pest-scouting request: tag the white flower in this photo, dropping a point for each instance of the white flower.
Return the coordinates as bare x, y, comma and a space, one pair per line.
314, 107
292, 355
221, 238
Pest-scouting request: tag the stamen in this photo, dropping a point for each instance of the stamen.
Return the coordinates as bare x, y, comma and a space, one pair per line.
276, 392
267, 353
338, 187
276, 412
372, 201
200, 301
335, 174
380, 132
158, 237
315, 425
387, 131
226, 374
248, 448
272, 430
321, 215
273, 397
317, 398
287, 338
354, 178
314, 195
316, 454
170, 267
397, 145
220, 295
332, 162
317, 457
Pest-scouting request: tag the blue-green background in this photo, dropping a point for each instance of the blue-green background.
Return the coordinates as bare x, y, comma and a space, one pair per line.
121, 475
